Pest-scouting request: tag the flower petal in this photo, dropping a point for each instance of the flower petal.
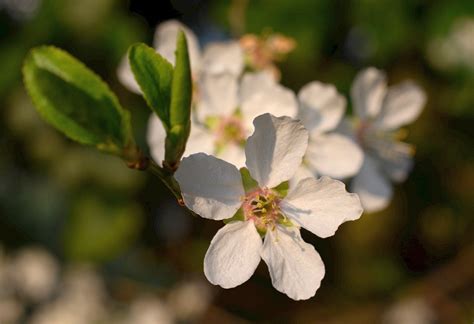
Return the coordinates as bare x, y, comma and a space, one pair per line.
255, 82
275, 149
200, 140
276, 100
368, 91
303, 172
165, 42
402, 105
156, 136
234, 154
374, 190
223, 57
126, 77
321, 106
321, 206
217, 95
295, 267
395, 159
334, 155
211, 187
233, 255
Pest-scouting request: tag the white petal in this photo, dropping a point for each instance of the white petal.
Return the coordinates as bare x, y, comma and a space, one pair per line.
211, 187
126, 77
321, 206
254, 83
303, 172
398, 170
165, 42
368, 91
334, 155
156, 137
233, 255
276, 100
374, 190
234, 154
217, 95
200, 140
321, 106
223, 57
346, 128
402, 105
396, 159
295, 267
275, 149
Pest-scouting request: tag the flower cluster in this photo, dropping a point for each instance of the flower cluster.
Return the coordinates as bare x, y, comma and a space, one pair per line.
213, 189
245, 120
36, 288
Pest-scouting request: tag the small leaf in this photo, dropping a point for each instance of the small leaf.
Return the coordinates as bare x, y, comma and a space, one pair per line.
238, 216
154, 74
182, 87
180, 105
247, 180
76, 101
282, 188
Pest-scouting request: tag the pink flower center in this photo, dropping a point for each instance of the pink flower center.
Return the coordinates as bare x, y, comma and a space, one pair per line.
263, 207
361, 132
230, 130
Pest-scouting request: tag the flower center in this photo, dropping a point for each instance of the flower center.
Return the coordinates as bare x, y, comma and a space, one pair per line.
361, 130
230, 130
263, 207
382, 143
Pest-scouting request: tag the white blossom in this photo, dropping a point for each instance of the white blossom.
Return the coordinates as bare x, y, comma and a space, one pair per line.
148, 309
455, 49
81, 299
225, 110
190, 299
321, 109
413, 310
11, 309
34, 273
213, 189
221, 57
380, 111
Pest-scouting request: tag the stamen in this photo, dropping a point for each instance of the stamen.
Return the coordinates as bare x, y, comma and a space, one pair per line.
263, 207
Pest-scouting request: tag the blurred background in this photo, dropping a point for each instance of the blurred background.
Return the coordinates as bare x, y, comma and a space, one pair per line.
83, 239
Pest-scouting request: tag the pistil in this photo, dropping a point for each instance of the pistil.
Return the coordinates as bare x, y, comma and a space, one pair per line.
263, 207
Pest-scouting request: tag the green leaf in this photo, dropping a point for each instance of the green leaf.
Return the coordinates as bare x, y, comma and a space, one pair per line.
180, 105
154, 75
181, 91
238, 216
76, 101
247, 180
282, 188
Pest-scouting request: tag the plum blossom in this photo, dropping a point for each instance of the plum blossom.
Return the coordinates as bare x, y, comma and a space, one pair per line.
456, 48
261, 52
219, 57
321, 109
35, 273
380, 111
225, 110
214, 189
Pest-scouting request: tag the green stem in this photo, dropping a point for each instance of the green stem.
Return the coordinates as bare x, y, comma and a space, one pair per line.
142, 163
167, 178
169, 181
